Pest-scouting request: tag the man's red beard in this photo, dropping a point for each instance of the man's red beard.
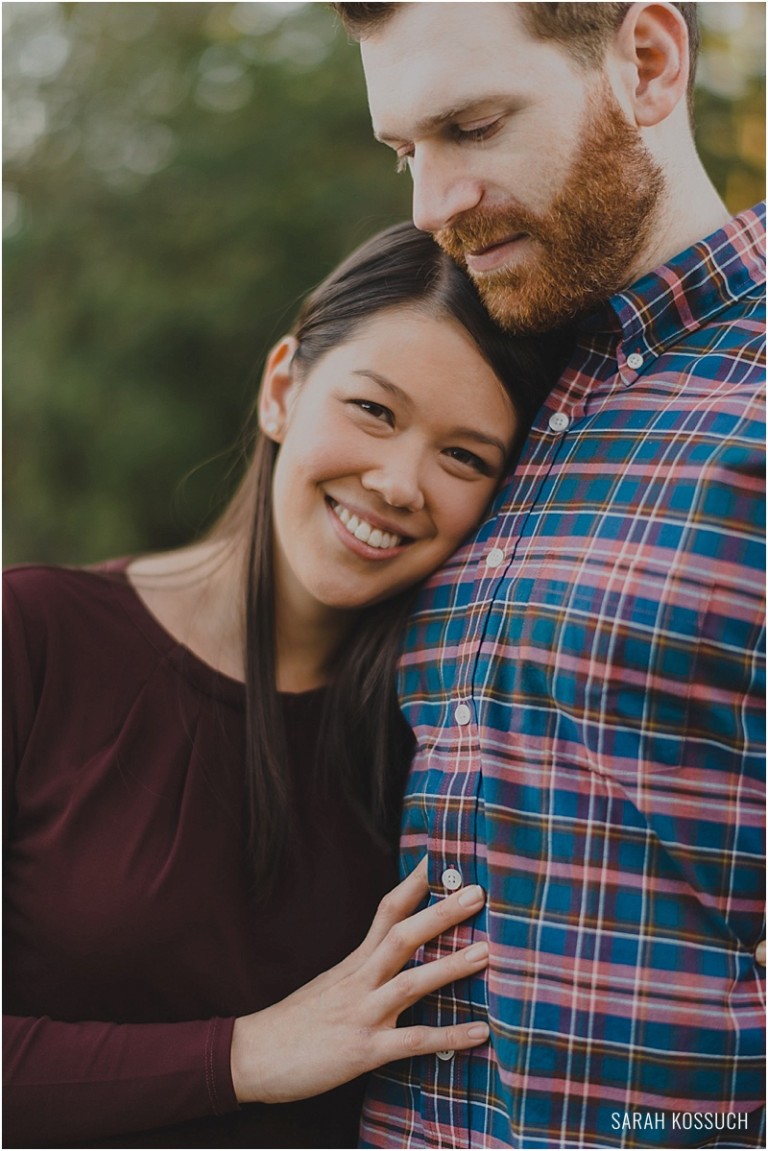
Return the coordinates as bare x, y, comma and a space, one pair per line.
585, 246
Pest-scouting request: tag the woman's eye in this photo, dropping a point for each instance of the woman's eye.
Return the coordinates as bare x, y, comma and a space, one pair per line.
377, 411
476, 463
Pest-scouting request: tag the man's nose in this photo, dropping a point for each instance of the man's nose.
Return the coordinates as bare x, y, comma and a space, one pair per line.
441, 191
396, 478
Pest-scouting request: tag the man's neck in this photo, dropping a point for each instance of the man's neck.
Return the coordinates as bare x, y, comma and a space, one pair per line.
691, 210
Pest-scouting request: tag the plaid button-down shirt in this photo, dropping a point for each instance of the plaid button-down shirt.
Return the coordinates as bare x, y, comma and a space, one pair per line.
586, 682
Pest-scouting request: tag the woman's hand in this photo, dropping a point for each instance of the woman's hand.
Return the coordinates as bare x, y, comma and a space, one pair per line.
344, 1023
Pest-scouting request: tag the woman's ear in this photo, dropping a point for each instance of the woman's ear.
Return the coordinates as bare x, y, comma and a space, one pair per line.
653, 43
277, 389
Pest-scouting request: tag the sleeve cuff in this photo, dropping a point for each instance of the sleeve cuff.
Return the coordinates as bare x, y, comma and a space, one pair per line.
218, 1067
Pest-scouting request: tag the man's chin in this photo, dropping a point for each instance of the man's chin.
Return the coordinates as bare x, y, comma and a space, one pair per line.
527, 306
513, 305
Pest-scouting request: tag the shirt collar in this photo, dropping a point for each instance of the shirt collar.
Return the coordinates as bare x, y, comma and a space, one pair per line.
683, 294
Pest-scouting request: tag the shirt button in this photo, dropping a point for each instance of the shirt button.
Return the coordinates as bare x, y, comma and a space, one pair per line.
558, 421
495, 558
451, 878
462, 715
444, 1055
635, 361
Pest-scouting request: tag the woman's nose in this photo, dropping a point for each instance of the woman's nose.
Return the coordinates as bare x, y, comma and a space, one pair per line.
396, 479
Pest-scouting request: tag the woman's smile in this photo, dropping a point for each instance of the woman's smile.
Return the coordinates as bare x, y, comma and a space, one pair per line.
357, 528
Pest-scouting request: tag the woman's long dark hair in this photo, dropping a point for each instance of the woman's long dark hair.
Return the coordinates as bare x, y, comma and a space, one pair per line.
362, 731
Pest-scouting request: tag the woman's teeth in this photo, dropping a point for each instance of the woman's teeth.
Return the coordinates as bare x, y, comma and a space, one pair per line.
374, 537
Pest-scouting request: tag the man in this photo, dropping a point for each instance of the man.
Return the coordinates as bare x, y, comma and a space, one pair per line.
586, 677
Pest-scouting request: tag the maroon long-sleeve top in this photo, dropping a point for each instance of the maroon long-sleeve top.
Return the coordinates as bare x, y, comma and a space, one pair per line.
133, 937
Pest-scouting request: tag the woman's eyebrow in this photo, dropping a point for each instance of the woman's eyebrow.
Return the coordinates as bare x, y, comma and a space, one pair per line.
383, 382
480, 438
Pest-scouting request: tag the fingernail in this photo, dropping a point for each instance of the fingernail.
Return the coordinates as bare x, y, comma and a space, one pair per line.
478, 1031
477, 952
472, 894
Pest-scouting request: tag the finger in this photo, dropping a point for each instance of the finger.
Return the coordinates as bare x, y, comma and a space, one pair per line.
404, 939
405, 1042
414, 983
760, 952
396, 905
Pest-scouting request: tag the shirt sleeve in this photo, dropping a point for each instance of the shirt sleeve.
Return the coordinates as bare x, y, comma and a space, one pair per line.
18, 701
95, 1079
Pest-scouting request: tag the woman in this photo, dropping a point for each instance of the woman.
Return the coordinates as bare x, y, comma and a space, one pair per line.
205, 753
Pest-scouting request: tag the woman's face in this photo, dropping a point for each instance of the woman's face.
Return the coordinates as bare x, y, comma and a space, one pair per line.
392, 446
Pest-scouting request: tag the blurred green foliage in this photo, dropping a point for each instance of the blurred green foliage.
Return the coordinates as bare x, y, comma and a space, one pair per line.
177, 175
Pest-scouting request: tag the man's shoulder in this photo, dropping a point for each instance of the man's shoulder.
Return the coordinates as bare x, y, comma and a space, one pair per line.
704, 310
725, 352
722, 277
736, 331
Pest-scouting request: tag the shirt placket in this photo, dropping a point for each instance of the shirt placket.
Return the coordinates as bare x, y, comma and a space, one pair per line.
452, 865
456, 846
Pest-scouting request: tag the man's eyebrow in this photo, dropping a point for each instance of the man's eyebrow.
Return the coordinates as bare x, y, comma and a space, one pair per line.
440, 119
463, 433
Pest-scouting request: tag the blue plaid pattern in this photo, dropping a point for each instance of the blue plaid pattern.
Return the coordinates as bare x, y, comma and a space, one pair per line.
602, 637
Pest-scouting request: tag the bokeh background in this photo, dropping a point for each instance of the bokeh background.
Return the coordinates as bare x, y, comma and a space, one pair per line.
176, 176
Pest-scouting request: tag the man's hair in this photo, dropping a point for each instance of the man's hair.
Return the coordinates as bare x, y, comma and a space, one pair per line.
582, 29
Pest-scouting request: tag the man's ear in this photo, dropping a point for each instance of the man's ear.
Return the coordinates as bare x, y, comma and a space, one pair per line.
277, 389
652, 44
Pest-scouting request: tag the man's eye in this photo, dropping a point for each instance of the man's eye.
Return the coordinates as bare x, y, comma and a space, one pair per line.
476, 134
377, 411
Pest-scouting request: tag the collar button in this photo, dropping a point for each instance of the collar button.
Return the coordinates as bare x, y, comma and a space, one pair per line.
559, 421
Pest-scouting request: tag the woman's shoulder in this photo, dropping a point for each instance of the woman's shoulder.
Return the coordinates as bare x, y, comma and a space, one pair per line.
127, 617
50, 575
62, 615
63, 640
47, 590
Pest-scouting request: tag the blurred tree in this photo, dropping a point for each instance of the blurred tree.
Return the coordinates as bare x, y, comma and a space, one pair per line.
730, 100
177, 175
180, 175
